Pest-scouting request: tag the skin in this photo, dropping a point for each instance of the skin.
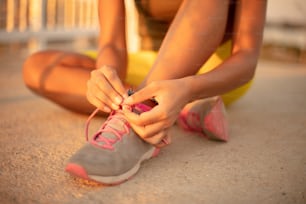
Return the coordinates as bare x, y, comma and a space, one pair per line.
63, 77
163, 84
198, 28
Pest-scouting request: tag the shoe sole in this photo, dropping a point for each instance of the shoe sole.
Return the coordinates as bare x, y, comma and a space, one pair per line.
79, 171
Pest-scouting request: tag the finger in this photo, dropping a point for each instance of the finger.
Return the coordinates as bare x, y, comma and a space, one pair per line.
159, 140
98, 79
98, 103
167, 139
140, 96
96, 91
148, 131
156, 139
103, 84
146, 118
164, 141
131, 116
113, 78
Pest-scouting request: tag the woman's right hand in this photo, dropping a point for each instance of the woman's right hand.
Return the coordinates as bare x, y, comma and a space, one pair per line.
105, 89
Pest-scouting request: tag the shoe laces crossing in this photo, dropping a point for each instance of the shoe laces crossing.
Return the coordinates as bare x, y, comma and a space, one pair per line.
107, 135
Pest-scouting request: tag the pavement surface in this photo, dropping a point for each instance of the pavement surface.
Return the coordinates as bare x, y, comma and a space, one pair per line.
264, 162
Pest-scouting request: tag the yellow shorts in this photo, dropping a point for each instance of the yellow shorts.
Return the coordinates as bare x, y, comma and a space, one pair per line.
145, 59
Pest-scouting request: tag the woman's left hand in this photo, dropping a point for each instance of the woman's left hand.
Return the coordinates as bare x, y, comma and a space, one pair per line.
171, 96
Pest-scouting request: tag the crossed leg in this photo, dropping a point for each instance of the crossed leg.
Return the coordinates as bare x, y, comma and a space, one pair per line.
60, 77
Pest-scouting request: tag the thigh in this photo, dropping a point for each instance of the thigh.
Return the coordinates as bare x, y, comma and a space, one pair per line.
54, 57
42, 63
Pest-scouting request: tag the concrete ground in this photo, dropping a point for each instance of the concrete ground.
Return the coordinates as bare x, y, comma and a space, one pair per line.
264, 162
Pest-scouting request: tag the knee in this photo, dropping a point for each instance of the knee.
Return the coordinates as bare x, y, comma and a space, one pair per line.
30, 70
35, 66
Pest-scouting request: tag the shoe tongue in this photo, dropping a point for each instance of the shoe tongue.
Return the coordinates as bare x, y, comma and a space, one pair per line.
117, 121
116, 124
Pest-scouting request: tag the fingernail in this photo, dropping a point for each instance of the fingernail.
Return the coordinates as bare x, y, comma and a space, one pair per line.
106, 109
118, 100
125, 108
125, 96
128, 100
165, 141
115, 107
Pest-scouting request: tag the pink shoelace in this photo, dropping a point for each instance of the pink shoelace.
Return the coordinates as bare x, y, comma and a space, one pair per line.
99, 139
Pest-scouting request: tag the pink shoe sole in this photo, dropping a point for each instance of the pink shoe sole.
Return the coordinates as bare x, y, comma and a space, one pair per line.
78, 171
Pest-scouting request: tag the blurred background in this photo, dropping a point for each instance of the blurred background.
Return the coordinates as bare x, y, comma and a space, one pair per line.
73, 24
37, 137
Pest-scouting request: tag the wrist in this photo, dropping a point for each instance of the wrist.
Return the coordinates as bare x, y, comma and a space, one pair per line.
186, 88
190, 90
111, 57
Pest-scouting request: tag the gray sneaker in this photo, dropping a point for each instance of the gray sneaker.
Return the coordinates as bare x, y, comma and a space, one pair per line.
114, 153
206, 117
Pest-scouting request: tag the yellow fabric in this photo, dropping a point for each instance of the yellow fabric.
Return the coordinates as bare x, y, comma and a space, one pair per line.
222, 53
139, 64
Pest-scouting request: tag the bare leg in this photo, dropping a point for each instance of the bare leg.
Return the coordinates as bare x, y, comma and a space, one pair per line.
60, 77
185, 47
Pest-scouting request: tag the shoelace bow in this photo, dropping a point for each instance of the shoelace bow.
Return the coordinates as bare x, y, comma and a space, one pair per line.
99, 137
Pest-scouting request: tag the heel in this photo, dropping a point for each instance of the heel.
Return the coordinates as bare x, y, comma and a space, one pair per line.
216, 124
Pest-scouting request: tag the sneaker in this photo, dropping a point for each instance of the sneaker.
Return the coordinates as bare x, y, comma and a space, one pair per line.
206, 117
114, 153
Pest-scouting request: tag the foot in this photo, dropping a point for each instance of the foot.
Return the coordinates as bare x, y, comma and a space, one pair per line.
206, 117
115, 152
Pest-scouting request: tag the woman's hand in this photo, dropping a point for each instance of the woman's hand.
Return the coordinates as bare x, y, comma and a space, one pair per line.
171, 96
105, 89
